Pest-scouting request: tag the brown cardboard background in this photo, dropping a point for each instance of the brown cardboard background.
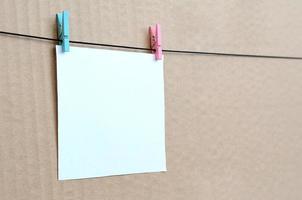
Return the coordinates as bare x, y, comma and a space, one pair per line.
233, 125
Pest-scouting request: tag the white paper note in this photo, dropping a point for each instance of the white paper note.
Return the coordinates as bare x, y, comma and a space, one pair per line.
110, 113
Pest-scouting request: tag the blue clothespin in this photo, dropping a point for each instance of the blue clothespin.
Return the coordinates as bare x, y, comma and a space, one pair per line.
63, 29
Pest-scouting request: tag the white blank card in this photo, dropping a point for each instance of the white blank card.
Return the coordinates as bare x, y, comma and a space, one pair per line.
110, 113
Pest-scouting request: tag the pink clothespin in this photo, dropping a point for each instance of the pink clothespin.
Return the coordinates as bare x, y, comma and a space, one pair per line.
155, 39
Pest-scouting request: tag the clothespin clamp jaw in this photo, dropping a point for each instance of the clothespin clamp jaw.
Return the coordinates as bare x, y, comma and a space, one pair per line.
155, 41
63, 30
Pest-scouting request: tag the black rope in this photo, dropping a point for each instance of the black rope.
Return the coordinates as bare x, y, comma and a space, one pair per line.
148, 49
28, 36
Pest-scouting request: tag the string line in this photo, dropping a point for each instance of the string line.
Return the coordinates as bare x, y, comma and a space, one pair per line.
148, 49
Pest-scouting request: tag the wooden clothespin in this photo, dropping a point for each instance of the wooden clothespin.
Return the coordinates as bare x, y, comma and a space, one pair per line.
155, 41
63, 29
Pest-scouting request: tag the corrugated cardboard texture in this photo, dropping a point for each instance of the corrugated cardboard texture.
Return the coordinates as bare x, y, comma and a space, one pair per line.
233, 125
